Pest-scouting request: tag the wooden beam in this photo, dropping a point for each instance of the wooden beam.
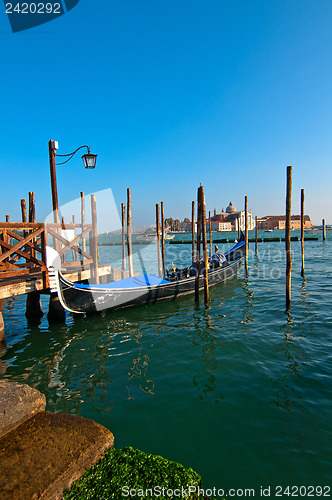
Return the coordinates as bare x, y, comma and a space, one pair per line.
16, 248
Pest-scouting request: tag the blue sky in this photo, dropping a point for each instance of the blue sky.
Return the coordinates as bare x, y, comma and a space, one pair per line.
171, 94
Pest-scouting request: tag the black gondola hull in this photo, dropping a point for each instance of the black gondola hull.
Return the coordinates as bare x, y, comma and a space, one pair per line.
82, 298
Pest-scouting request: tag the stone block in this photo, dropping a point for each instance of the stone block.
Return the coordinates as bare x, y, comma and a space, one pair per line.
18, 402
47, 453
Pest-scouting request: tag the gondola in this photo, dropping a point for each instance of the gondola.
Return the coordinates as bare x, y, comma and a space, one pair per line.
145, 289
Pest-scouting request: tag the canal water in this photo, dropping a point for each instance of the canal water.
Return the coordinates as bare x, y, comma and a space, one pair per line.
238, 390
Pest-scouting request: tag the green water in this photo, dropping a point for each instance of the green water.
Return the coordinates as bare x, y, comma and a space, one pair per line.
238, 390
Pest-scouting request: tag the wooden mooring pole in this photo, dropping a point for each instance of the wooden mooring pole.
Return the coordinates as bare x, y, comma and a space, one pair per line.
198, 247
210, 233
324, 230
205, 252
256, 234
83, 221
24, 214
193, 231
246, 233
288, 237
32, 216
94, 239
129, 234
33, 310
158, 240
163, 238
123, 222
32, 207
302, 232
52, 154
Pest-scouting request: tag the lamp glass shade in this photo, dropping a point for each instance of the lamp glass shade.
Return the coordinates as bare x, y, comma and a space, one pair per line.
89, 160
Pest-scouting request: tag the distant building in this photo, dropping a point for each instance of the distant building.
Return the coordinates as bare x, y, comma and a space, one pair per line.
232, 219
279, 222
228, 220
220, 226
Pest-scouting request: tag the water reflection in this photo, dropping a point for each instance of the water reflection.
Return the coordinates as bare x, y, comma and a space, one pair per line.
203, 336
247, 307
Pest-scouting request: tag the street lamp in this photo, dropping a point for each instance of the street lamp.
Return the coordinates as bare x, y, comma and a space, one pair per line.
89, 161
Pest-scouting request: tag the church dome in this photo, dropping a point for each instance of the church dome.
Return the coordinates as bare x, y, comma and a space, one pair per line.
230, 209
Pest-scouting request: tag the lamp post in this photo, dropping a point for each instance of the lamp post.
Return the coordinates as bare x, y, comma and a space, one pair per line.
89, 161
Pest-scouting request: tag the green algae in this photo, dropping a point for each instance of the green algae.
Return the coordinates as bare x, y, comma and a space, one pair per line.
133, 474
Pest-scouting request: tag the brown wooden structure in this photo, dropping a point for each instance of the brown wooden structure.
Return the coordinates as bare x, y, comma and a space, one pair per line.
23, 256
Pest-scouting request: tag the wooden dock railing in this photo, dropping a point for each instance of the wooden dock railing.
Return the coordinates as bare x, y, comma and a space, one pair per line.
23, 247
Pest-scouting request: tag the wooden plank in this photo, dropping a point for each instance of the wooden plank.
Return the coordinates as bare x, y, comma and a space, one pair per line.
76, 263
21, 272
68, 225
20, 225
25, 284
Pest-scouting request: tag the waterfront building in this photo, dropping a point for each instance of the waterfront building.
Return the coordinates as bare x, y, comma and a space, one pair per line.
279, 222
229, 220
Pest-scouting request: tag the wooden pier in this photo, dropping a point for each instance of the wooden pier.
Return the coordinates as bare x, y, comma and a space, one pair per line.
23, 267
